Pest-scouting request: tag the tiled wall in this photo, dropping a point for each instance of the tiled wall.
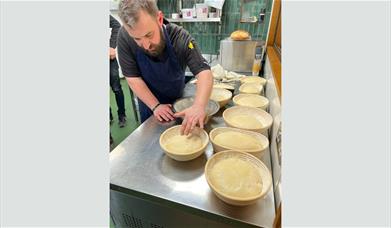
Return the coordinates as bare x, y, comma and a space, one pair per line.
207, 33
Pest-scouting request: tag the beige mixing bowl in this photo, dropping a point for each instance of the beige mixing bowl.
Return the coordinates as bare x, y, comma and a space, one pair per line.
251, 88
253, 79
222, 96
183, 103
239, 142
251, 100
186, 151
224, 86
248, 118
217, 180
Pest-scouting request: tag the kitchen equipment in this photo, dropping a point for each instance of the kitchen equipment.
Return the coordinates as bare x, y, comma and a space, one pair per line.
260, 174
175, 191
238, 56
248, 118
235, 144
180, 153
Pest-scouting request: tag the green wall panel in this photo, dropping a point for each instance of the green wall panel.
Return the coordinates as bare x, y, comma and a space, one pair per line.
207, 33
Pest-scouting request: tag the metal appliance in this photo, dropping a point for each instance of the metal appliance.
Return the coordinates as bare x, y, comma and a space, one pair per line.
239, 56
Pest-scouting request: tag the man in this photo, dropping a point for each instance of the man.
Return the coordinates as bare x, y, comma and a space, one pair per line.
114, 74
153, 55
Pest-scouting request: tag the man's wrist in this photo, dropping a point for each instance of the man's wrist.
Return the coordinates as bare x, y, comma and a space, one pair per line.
199, 104
155, 107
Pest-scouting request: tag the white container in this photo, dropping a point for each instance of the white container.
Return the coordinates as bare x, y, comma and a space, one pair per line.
213, 15
202, 10
175, 16
187, 13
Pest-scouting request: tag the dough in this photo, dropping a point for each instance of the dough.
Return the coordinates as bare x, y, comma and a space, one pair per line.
250, 89
236, 178
245, 121
237, 141
251, 102
252, 80
223, 86
182, 144
217, 96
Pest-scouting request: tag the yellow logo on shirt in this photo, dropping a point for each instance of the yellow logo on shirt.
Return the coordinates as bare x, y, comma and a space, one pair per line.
191, 45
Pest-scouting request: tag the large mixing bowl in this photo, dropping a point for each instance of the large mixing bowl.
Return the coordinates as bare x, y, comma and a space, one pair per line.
248, 118
183, 103
230, 178
238, 144
222, 96
181, 153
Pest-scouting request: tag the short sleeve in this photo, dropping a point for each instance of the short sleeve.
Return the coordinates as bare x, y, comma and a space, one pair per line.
126, 55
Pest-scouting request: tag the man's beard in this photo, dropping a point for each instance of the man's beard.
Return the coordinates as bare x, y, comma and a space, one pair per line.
159, 48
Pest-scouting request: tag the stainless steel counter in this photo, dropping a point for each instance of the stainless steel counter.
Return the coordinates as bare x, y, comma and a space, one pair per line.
139, 166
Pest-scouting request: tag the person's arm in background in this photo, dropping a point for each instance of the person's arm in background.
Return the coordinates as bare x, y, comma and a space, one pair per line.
196, 114
115, 26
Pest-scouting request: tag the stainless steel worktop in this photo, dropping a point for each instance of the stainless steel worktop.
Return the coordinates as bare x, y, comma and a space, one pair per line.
139, 165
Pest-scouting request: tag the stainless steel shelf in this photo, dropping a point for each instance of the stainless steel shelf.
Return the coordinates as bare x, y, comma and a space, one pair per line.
217, 19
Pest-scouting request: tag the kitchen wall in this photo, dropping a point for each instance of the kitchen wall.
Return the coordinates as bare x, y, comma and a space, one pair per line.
207, 33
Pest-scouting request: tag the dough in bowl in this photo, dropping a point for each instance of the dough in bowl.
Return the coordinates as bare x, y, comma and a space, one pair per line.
217, 97
223, 86
251, 89
245, 121
182, 144
251, 102
238, 141
236, 177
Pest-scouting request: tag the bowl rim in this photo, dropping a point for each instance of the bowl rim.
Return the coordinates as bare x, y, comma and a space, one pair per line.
241, 199
234, 99
231, 88
225, 91
254, 109
204, 144
242, 86
211, 139
215, 103
261, 80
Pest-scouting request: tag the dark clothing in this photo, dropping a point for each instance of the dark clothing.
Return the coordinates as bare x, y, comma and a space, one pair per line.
185, 48
114, 72
115, 27
115, 85
165, 79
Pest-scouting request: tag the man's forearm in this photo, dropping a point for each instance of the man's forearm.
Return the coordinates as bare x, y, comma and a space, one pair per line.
204, 87
142, 91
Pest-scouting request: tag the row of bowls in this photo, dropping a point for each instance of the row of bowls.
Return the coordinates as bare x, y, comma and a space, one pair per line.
223, 151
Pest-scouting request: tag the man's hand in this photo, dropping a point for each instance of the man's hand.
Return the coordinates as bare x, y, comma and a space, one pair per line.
163, 112
192, 116
112, 53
